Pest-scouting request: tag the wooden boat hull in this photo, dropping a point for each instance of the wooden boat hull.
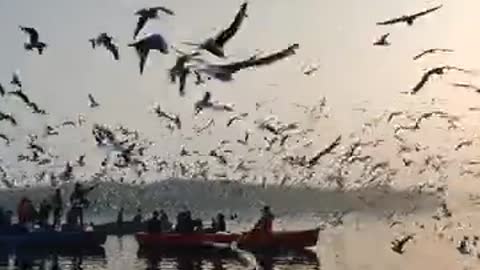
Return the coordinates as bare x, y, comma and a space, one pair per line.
52, 239
189, 240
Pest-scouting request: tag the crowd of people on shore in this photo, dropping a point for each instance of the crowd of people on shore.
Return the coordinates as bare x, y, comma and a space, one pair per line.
52, 208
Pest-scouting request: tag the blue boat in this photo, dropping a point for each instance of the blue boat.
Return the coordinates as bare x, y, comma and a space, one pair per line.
51, 239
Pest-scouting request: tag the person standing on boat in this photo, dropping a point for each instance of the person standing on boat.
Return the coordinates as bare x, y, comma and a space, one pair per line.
79, 201
265, 223
120, 217
26, 212
44, 213
57, 205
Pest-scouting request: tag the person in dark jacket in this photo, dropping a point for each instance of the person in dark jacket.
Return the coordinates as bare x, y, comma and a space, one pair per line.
265, 223
154, 225
57, 206
44, 213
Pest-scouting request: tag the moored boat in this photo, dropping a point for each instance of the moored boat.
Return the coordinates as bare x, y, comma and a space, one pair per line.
125, 228
188, 240
52, 239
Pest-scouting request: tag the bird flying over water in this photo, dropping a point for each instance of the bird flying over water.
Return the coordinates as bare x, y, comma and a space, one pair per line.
215, 45
431, 51
434, 71
237, 117
181, 69
148, 43
409, 19
382, 41
34, 42
146, 14
206, 102
224, 72
92, 103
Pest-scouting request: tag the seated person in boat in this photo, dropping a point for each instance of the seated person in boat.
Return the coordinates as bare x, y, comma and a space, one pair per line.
44, 213
265, 223
138, 217
165, 222
57, 206
185, 223
154, 225
26, 212
218, 224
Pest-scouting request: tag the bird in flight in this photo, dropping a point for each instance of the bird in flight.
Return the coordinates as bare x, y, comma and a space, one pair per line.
16, 79
382, 41
225, 72
467, 86
206, 102
181, 69
430, 51
92, 103
146, 14
434, 71
171, 117
8, 117
148, 43
34, 42
215, 45
409, 19
103, 39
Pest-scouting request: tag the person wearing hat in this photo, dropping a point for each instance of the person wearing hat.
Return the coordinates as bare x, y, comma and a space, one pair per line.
265, 223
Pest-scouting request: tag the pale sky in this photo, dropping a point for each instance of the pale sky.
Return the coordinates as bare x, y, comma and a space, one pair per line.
336, 35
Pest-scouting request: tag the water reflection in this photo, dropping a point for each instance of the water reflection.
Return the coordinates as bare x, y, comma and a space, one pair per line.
26, 259
221, 259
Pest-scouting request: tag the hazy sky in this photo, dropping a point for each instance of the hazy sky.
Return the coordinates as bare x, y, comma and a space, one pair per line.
336, 35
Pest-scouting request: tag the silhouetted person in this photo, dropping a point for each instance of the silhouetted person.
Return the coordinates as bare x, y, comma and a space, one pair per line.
138, 216
265, 223
57, 206
79, 201
44, 213
154, 225
26, 212
120, 217
166, 225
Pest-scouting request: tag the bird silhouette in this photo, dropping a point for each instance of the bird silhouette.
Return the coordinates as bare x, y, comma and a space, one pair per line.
206, 102
105, 40
5, 138
146, 14
398, 244
20, 94
148, 43
181, 70
173, 118
16, 80
434, 71
8, 117
92, 103
467, 86
215, 45
382, 41
409, 19
224, 72
430, 51
237, 117
34, 42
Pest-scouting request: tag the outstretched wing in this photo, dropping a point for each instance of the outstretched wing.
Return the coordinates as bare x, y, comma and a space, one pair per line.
392, 21
140, 24
164, 9
224, 36
114, 50
143, 54
420, 55
31, 32
20, 95
422, 82
267, 60
2, 90
423, 13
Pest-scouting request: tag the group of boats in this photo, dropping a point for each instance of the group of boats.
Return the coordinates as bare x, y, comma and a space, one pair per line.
252, 240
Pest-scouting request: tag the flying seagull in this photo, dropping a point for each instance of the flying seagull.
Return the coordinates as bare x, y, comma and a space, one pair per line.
105, 40
225, 72
92, 103
409, 19
382, 41
215, 45
181, 69
146, 14
20, 94
8, 117
149, 42
16, 79
206, 102
467, 86
171, 117
237, 117
34, 42
434, 71
430, 51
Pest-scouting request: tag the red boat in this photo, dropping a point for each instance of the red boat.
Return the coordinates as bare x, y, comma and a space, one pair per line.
190, 240
249, 240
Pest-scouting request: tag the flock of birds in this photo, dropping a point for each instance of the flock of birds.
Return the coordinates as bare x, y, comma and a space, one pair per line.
284, 149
